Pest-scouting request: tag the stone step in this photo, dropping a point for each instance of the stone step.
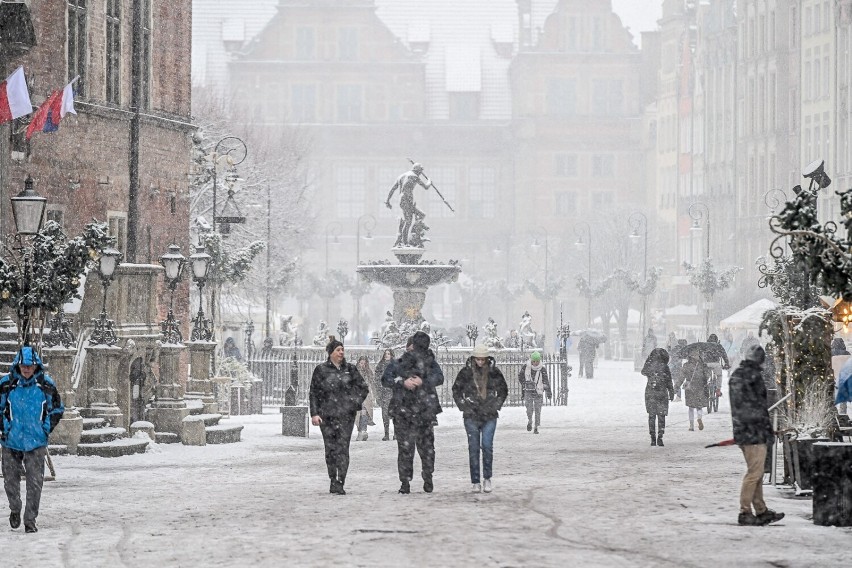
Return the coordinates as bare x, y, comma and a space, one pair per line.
223, 433
194, 405
167, 438
92, 423
101, 435
58, 450
115, 448
209, 419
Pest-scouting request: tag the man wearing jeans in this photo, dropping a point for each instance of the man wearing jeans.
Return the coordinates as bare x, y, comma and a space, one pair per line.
30, 408
479, 391
752, 432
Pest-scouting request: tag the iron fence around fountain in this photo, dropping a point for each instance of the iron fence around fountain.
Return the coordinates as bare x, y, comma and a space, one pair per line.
274, 366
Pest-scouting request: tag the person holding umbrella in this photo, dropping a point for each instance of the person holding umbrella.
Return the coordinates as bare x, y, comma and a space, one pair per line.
658, 392
752, 432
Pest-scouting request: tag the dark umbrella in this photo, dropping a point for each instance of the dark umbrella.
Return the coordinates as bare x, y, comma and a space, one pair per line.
595, 334
709, 350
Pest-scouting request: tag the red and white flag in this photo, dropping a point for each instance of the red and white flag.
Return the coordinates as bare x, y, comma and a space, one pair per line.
14, 97
52, 110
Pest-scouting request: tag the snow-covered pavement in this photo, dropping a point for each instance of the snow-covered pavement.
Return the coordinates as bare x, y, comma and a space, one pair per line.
588, 491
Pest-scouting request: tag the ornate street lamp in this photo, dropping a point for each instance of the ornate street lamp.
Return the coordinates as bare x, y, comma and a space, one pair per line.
472, 333
343, 330
236, 145
698, 211
535, 245
199, 262
103, 333
638, 219
28, 209
174, 262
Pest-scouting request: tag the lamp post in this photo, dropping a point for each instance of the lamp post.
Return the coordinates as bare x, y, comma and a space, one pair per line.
638, 219
332, 229
103, 333
173, 261
697, 211
535, 245
28, 212
369, 225
580, 246
236, 143
199, 262
773, 199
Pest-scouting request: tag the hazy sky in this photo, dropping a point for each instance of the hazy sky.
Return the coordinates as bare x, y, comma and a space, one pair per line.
639, 15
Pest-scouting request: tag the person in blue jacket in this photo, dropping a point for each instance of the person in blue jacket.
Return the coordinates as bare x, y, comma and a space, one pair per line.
31, 408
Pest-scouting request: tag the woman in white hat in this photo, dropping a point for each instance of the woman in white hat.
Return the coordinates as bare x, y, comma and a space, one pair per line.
479, 391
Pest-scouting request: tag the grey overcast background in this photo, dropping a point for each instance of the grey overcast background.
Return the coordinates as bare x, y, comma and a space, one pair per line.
638, 15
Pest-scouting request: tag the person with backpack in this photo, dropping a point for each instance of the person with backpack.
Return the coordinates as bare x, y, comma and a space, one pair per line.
414, 406
659, 391
534, 386
30, 408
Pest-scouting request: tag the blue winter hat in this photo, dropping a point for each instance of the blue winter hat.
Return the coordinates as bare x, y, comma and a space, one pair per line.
27, 356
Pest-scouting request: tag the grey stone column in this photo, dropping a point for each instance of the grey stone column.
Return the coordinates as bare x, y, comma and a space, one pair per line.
169, 410
60, 364
200, 385
103, 364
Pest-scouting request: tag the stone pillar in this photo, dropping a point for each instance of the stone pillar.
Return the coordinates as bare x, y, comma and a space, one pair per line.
200, 385
169, 410
60, 363
104, 361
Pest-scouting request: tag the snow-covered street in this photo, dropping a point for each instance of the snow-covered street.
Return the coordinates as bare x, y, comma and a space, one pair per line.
588, 491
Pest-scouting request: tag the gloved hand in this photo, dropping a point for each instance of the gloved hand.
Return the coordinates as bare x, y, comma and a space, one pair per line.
719, 393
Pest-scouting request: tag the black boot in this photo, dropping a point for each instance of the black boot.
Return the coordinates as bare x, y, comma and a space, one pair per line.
660, 440
405, 488
653, 439
652, 428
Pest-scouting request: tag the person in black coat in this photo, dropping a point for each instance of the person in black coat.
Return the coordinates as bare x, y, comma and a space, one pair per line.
336, 394
480, 391
414, 405
752, 432
658, 392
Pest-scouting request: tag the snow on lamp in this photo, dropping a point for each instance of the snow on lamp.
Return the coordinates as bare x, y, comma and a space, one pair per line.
28, 209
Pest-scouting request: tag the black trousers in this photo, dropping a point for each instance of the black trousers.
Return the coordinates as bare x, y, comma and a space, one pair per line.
31, 466
336, 435
660, 419
412, 435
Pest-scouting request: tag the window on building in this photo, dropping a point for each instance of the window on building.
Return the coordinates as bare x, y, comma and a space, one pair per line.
347, 44
566, 203
826, 77
77, 44
603, 166
597, 33
601, 199
464, 106
350, 190
817, 19
607, 97
305, 43
565, 165
482, 193
808, 21
113, 51
808, 81
145, 55
794, 27
117, 228
303, 103
55, 215
817, 86
349, 103
561, 97
445, 180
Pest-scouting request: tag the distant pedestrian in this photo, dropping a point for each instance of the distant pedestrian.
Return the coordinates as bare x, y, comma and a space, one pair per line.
649, 343
534, 386
676, 357
231, 350
696, 377
414, 406
30, 408
364, 417
659, 391
587, 349
480, 391
752, 432
384, 393
337, 392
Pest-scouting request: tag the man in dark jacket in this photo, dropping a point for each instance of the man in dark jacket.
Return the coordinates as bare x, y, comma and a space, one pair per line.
752, 432
337, 392
480, 391
30, 408
414, 404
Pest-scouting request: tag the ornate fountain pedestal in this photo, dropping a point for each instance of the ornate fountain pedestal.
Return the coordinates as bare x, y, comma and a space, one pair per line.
409, 279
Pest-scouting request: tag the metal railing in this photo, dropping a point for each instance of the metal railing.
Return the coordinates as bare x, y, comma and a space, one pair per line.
275, 367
